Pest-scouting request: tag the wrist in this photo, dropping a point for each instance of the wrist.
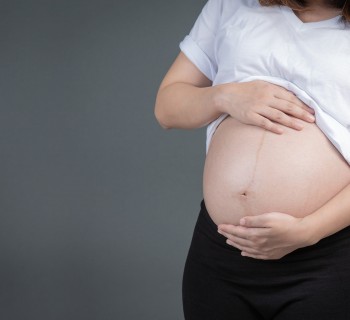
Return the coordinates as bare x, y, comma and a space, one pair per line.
222, 96
217, 99
309, 231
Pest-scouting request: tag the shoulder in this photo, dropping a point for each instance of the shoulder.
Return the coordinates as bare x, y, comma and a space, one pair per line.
224, 5
221, 12
229, 7
237, 3
227, 10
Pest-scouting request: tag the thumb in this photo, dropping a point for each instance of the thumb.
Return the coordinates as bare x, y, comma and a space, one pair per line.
259, 221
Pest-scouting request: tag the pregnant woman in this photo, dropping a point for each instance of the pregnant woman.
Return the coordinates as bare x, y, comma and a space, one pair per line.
270, 80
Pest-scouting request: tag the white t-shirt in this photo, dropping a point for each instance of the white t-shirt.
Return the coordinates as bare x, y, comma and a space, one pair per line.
240, 40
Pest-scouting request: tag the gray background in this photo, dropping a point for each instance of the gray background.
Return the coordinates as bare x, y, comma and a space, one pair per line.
98, 202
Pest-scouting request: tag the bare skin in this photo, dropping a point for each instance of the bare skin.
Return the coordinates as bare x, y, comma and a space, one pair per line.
274, 234
186, 99
249, 171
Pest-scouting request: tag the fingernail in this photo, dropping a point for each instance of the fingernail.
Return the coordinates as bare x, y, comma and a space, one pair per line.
299, 125
279, 130
311, 117
242, 222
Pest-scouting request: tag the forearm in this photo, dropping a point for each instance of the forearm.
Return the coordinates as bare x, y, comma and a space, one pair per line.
184, 106
333, 216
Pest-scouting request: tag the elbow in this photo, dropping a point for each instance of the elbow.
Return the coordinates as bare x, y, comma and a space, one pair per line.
160, 119
160, 115
164, 126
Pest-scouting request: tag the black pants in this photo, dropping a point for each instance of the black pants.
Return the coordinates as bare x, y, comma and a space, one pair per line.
310, 283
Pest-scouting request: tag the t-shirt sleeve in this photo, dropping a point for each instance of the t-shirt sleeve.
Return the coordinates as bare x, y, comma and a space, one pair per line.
198, 45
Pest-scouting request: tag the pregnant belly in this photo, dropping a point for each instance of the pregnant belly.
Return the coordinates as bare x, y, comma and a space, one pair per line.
249, 171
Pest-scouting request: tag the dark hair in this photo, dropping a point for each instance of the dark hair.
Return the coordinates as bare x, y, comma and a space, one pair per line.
300, 5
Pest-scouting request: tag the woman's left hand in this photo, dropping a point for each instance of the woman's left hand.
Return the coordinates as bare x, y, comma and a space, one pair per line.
270, 235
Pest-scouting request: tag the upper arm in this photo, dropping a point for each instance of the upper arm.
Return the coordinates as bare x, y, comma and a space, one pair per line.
183, 70
196, 63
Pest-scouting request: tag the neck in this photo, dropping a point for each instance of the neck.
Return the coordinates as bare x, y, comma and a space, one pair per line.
322, 5
317, 10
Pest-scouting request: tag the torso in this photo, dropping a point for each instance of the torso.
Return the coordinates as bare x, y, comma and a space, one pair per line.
249, 171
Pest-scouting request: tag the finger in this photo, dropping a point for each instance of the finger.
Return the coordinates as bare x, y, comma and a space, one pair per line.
255, 256
293, 109
292, 97
251, 234
243, 248
259, 221
230, 230
282, 118
242, 242
231, 236
265, 123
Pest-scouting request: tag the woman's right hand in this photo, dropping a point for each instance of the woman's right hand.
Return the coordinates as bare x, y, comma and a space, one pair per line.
264, 104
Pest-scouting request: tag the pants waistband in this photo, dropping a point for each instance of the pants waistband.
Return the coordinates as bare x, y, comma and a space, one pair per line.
340, 238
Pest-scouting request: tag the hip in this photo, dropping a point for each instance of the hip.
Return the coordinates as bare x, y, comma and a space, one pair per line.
209, 241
